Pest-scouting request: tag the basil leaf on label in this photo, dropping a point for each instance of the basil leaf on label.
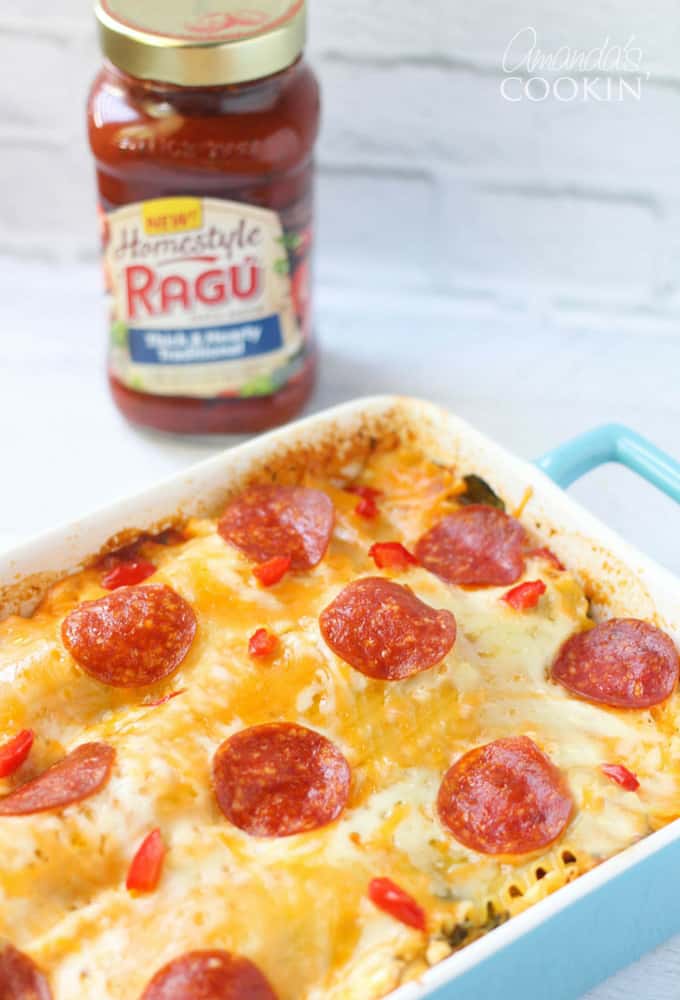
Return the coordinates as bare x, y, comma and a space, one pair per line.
291, 241
259, 385
479, 491
119, 334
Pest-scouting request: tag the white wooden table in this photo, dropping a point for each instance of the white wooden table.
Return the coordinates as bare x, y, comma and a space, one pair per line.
66, 450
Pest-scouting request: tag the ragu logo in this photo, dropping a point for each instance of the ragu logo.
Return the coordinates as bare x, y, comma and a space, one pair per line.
151, 293
186, 271
219, 23
201, 300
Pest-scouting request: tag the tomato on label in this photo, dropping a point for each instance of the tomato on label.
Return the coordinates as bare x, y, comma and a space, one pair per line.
391, 555
388, 897
299, 288
126, 574
525, 595
14, 752
270, 572
147, 864
621, 775
262, 643
306, 237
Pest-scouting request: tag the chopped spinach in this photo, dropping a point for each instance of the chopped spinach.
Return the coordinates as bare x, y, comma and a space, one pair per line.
457, 935
479, 491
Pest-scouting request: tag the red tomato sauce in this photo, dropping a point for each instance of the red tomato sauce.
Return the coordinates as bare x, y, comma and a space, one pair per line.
243, 144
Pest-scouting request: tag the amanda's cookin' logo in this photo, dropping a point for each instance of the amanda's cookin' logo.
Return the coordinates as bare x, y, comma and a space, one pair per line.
607, 72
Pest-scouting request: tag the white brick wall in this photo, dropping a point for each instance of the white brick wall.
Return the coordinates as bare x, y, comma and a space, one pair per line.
429, 179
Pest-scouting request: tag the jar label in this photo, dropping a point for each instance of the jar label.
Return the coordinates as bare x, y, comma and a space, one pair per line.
207, 297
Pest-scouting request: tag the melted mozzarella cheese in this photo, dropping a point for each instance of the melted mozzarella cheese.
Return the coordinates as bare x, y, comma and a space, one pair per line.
298, 906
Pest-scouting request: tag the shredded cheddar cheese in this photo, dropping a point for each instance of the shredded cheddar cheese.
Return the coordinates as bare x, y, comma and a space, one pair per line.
298, 906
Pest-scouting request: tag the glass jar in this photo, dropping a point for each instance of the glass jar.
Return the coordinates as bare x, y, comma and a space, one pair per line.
203, 129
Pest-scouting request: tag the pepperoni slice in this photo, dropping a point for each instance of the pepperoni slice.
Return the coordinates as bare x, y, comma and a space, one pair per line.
20, 978
477, 545
624, 663
506, 797
279, 779
268, 521
382, 629
209, 975
133, 637
78, 776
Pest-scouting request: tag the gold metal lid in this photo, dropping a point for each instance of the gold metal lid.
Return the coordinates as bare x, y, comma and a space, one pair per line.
199, 43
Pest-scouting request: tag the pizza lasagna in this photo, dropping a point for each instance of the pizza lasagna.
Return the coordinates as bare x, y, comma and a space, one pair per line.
311, 746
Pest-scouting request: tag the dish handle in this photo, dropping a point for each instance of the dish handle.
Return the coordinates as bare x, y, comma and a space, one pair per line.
612, 443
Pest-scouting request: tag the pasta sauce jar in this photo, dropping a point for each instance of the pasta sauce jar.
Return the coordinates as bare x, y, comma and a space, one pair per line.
202, 123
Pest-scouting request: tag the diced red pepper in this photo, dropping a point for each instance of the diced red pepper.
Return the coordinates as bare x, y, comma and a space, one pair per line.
365, 492
262, 643
273, 570
147, 864
387, 896
621, 775
367, 508
128, 573
391, 555
525, 595
545, 553
15, 751
164, 699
